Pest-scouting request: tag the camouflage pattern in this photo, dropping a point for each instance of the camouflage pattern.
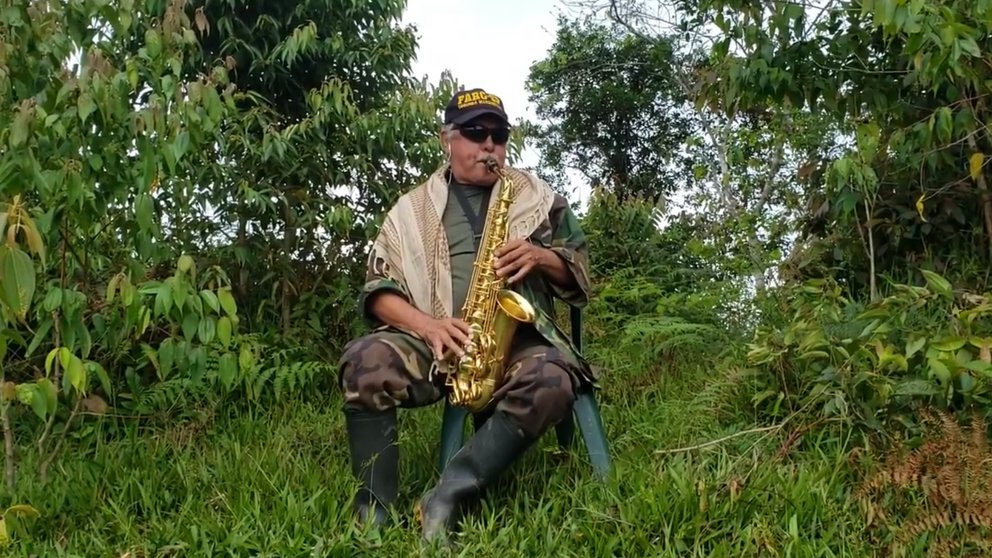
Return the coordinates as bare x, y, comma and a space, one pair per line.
389, 368
561, 233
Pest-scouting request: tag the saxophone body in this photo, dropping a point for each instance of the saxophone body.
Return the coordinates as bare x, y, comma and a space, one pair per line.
492, 312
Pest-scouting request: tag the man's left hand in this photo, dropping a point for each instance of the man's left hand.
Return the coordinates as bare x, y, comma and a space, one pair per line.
519, 257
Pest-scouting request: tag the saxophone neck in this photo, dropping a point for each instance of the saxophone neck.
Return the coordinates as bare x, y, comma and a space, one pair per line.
494, 167
506, 192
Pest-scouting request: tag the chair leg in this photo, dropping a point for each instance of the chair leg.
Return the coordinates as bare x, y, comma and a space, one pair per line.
452, 432
480, 419
591, 424
565, 430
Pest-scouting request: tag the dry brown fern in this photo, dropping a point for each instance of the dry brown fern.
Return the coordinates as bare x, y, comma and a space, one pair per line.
943, 487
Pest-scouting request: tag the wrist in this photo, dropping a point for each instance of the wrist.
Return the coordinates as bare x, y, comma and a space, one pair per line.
420, 322
547, 259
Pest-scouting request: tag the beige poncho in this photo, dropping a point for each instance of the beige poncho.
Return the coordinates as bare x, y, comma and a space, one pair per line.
413, 245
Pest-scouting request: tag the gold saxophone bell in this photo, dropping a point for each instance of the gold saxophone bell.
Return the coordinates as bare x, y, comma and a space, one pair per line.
492, 312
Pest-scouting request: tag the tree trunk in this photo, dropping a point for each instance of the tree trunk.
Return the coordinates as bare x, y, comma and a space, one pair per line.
986, 200
8, 445
289, 241
243, 244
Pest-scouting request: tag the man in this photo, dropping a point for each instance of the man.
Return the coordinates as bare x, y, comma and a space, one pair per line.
419, 270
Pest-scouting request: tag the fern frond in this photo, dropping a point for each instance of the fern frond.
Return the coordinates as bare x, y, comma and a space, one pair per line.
953, 470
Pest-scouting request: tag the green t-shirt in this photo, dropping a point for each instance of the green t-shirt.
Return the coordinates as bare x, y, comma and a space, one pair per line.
461, 244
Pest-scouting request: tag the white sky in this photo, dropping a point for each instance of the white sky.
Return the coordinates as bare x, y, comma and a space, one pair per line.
489, 45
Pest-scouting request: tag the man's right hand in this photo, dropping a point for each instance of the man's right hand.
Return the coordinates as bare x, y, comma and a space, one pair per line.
440, 335
443, 334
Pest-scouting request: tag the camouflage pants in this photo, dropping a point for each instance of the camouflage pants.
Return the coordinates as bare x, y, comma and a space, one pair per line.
389, 368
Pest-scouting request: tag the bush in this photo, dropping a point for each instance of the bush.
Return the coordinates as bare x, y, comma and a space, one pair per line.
870, 365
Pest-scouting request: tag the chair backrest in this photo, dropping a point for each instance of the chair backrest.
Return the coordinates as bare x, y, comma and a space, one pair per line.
576, 316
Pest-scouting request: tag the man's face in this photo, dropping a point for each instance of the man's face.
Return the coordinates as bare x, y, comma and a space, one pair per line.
472, 143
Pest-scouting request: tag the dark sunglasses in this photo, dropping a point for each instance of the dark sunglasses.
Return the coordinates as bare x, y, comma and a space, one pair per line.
478, 134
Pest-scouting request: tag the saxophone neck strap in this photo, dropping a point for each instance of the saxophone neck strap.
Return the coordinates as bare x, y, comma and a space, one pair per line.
474, 219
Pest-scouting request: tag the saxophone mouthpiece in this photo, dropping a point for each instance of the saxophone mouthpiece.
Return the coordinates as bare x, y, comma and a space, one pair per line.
491, 164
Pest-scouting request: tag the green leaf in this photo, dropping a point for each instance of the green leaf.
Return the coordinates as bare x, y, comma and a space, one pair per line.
40, 336
102, 376
85, 340
206, 330
50, 360
144, 212
210, 299
191, 323
163, 299
76, 374
227, 369
224, 330
912, 347
85, 106
939, 370
153, 43
17, 280
39, 403
937, 283
20, 129
180, 145
945, 124
166, 357
52, 300
949, 344
246, 358
198, 358
179, 291
48, 391
969, 45
227, 301
185, 263
916, 387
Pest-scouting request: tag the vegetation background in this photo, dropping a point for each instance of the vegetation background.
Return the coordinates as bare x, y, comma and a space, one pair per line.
791, 235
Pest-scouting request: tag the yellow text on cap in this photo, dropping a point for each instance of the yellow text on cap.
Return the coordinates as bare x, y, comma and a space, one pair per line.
477, 97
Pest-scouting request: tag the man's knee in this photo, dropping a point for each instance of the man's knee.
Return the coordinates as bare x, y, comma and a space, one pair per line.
540, 392
552, 388
378, 372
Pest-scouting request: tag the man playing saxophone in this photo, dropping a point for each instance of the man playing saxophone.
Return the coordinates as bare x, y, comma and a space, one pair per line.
420, 269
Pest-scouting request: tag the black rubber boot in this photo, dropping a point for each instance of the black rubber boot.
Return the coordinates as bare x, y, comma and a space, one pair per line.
492, 449
375, 459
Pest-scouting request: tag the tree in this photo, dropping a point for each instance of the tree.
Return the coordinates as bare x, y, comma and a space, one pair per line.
331, 128
732, 170
905, 82
613, 110
156, 150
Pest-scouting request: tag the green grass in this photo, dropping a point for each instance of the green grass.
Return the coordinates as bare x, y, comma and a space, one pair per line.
276, 482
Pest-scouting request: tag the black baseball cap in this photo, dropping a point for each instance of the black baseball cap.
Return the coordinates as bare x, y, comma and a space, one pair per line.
473, 103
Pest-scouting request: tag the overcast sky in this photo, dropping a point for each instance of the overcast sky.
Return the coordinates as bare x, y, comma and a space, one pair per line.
490, 45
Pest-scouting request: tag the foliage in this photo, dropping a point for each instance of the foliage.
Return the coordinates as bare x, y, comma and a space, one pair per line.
872, 365
84, 170
613, 111
629, 236
741, 172
659, 292
949, 469
330, 133
174, 211
907, 82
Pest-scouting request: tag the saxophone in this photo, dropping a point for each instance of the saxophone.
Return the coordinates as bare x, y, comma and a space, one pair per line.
491, 311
